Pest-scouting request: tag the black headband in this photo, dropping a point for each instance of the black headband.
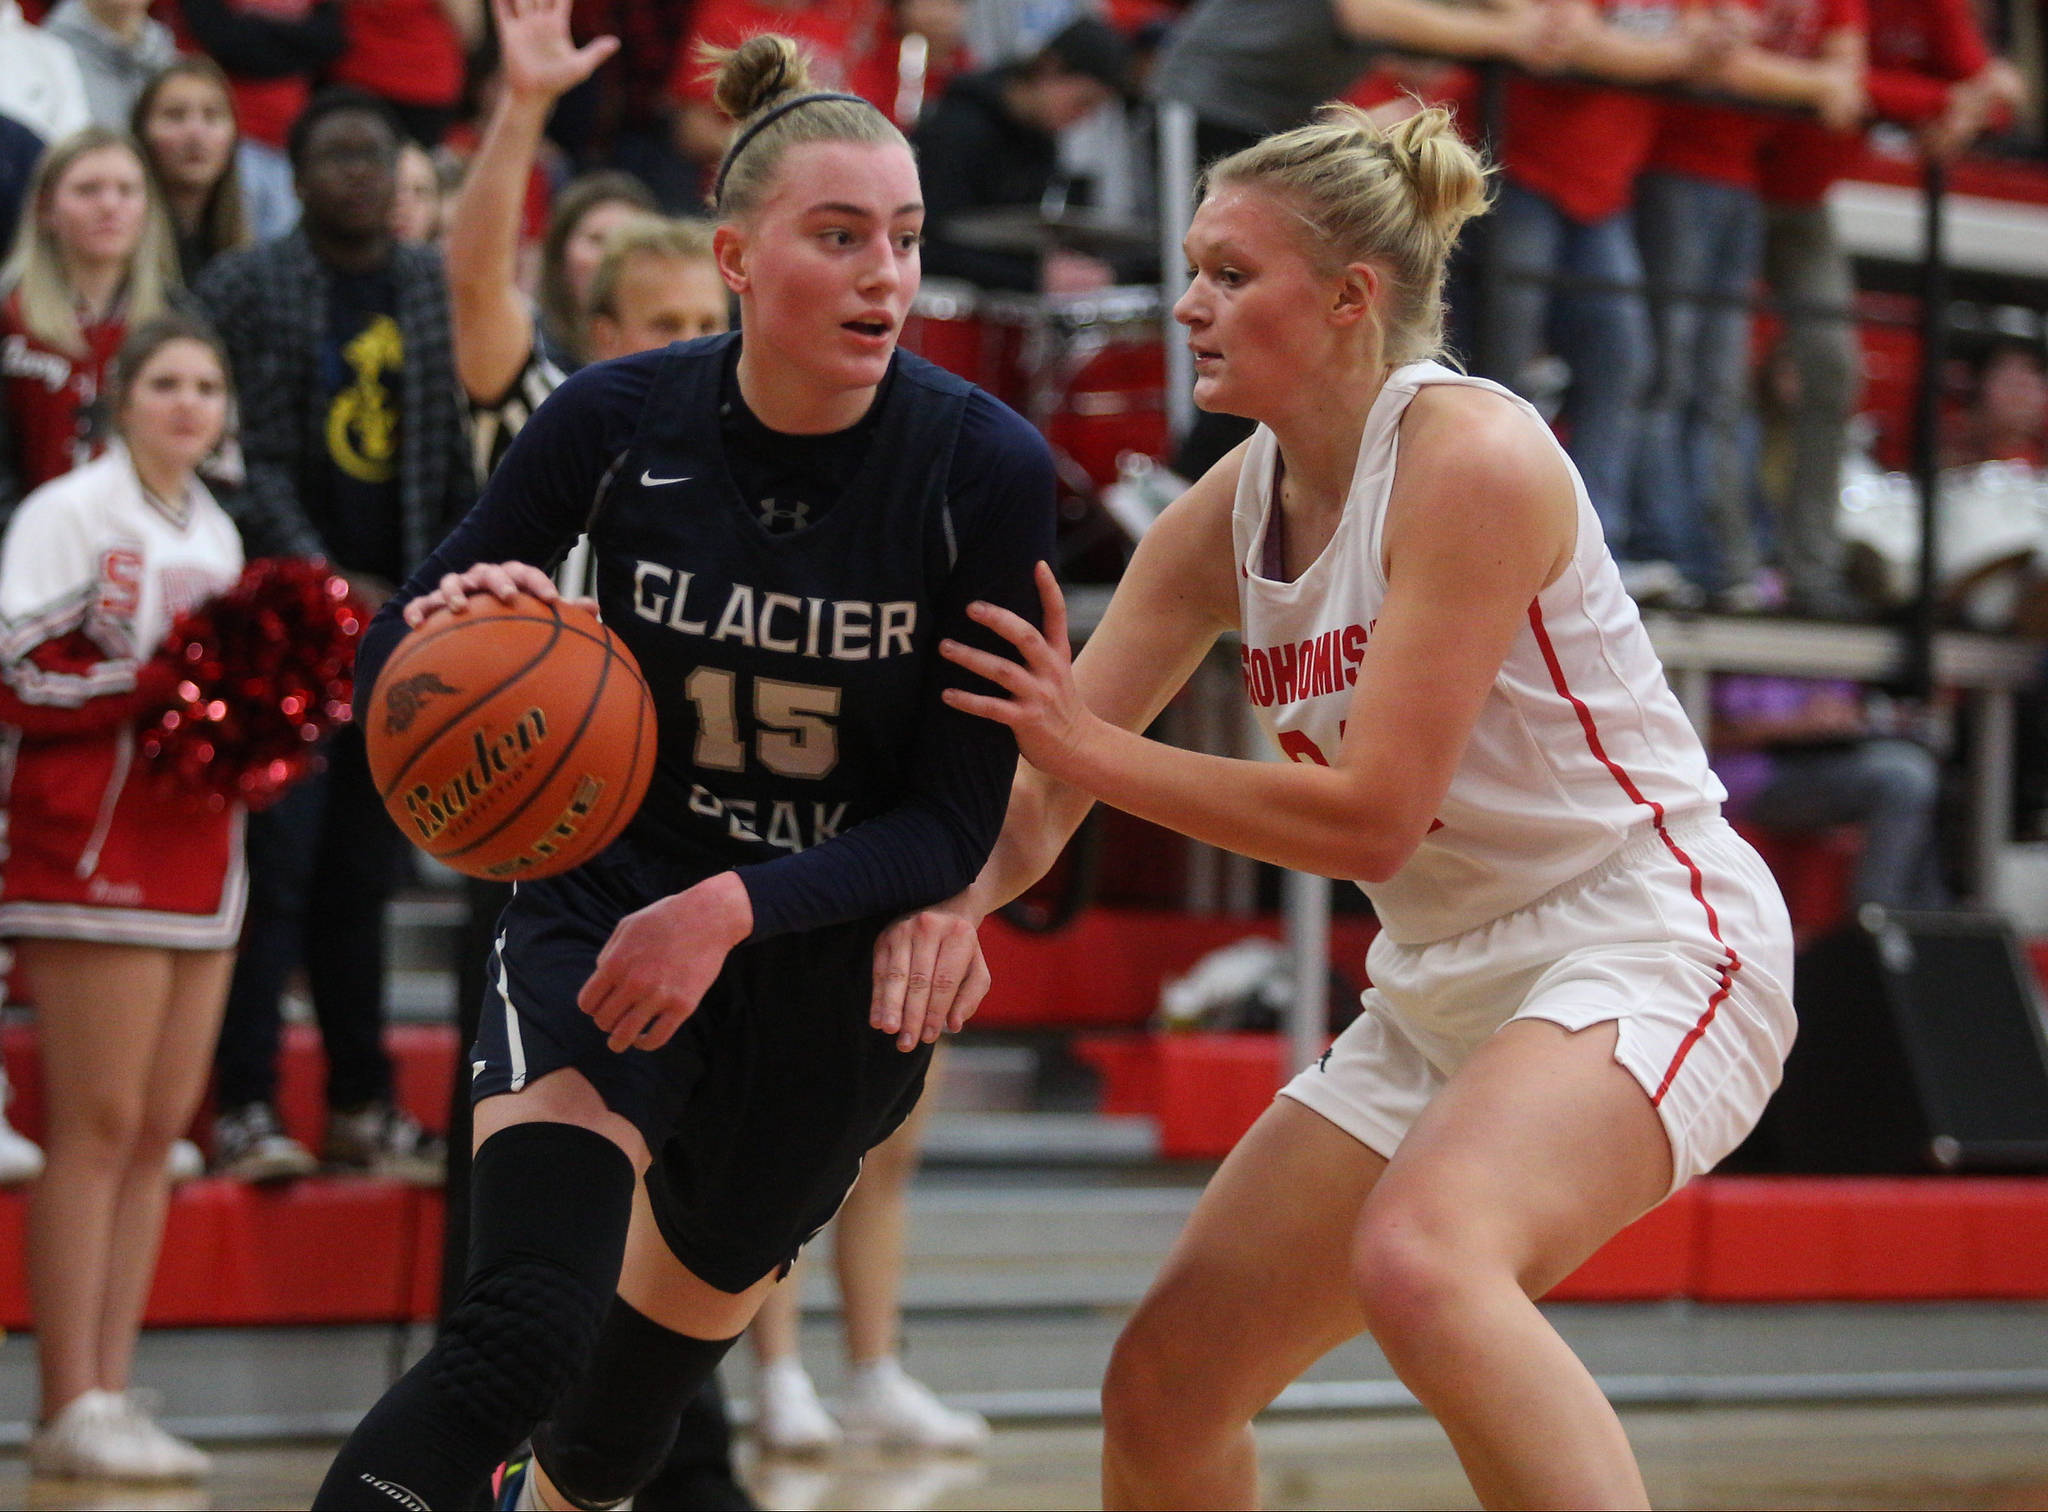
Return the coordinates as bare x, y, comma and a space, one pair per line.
764, 120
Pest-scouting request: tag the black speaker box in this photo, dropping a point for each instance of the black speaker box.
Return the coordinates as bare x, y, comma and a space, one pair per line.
1921, 1048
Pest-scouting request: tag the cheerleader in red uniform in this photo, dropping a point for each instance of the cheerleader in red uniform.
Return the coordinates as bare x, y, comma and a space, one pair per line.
122, 899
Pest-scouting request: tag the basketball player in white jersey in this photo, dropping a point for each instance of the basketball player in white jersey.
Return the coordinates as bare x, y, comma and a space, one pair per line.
1581, 991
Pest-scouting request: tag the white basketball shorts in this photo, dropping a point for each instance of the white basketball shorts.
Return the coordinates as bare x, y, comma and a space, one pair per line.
1680, 937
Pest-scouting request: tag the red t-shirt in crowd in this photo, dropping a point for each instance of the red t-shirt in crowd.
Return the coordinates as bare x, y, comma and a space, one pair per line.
402, 50
1722, 145
1918, 48
1581, 146
828, 28
51, 418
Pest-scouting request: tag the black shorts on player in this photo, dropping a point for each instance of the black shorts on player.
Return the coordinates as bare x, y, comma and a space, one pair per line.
758, 1110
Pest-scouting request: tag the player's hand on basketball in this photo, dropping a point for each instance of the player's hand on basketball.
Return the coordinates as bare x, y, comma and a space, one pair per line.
1043, 707
660, 962
504, 580
929, 977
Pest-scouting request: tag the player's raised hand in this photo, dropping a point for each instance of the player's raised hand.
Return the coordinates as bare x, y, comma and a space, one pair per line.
1043, 707
503, 580
539, 58
660, 961
929, 977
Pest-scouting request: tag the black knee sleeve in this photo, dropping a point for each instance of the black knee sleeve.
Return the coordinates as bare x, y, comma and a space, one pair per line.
540, 1270
549, 1209
610, 1432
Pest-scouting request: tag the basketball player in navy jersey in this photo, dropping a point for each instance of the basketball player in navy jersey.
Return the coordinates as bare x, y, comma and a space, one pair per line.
786, 525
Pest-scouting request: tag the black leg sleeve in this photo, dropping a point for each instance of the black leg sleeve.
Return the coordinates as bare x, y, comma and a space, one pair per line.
611, 1431
698, 1475
549, 1208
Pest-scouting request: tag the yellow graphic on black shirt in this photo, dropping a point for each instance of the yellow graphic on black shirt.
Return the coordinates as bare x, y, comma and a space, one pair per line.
362, 422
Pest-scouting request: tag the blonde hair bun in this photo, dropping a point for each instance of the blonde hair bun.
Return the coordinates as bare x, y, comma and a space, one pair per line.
751, 77
1450, 184
754, 79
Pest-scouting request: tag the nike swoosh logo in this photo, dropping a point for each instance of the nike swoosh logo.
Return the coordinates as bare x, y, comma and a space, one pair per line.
648, 480
476, 1069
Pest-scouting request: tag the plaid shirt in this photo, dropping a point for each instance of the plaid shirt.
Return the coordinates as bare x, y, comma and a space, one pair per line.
270, 306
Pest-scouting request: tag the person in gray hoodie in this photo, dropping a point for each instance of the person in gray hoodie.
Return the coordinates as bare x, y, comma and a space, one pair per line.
119, 48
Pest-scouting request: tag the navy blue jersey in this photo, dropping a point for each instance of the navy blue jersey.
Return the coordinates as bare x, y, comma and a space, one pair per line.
796, 676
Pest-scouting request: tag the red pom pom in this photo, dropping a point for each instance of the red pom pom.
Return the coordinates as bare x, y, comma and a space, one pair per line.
255, 679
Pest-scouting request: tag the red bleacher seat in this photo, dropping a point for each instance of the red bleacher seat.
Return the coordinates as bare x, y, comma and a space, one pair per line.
1814, 870
1104, 970
1651, 1260
327, 1250
1811, 1239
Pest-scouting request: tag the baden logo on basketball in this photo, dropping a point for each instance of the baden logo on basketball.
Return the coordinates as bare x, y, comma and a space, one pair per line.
496, 762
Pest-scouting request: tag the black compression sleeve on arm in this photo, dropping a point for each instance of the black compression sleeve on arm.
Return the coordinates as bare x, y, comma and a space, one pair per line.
931, 845
549, 1205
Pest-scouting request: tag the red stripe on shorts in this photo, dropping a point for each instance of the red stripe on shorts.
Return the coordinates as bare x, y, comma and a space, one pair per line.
1731, 963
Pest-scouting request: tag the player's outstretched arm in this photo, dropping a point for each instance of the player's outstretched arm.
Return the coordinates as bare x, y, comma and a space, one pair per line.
1176, 597
493, 322
1482, 518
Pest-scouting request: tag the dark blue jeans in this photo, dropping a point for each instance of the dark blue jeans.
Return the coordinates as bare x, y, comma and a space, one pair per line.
322, 865
1603, 337
1703, 243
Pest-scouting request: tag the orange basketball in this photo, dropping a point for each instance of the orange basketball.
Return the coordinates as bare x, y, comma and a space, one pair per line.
511, 741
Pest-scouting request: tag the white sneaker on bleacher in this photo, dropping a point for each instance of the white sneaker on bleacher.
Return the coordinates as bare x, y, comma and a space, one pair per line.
250, 1145
886, 1406
788, 1417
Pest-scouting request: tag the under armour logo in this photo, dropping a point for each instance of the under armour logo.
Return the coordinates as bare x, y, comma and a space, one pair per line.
403, 703
780, 517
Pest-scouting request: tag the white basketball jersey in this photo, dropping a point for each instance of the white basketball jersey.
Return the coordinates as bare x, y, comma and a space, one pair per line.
1580, 742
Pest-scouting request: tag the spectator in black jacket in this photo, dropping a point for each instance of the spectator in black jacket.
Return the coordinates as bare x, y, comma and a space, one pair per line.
992, 143
352, 430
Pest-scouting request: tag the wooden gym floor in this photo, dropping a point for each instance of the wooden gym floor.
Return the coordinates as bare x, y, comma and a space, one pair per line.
1978, 1455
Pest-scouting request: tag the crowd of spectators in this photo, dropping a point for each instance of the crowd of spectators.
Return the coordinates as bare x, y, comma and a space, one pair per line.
406, 225
1630, 229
